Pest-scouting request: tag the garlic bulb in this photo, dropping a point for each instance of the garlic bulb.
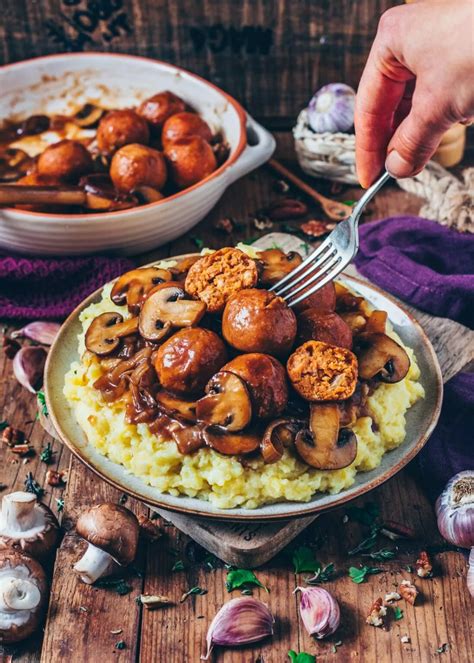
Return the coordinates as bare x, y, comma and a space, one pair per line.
319, 611
239, 622
332, 108
40, 331
455, 512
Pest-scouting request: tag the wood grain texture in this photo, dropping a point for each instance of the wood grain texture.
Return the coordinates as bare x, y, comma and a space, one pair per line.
270, 55
177, 633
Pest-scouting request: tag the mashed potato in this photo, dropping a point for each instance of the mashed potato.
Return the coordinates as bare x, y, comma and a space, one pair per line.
223, 480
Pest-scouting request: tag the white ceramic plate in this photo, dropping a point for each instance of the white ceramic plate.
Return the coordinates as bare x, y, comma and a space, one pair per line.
421, 419
62, 84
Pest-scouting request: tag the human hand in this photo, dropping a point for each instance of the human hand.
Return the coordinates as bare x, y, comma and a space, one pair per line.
418, 81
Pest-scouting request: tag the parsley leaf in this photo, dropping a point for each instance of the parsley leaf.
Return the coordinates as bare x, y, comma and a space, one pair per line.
194, 590
442, 649
3, 424
237, 578
303, 560
381, 555
59, 504
198, 242
302, 657
367, 515
359, 575
397, 612
117, 584
178, 566
42, 402
32, 486
367, 543
323, 575
47, 454
120, 644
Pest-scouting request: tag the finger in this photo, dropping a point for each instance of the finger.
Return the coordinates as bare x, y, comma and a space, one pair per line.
418, 135
404, 107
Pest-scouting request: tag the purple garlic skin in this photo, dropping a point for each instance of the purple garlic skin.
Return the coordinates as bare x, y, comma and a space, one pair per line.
332, 109
455, 510
319, 611
28, 366
40, 331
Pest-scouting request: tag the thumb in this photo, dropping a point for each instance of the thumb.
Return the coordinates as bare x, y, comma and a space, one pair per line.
416, 139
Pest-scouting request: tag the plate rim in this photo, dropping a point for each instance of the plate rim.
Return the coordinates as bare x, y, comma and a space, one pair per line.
253, 515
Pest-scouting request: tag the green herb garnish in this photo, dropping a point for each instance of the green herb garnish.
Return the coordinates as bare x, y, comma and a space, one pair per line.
42, 402
303, 560
123, 499
325, 574
117, 584
367, 515
251, 240
59, 504
178, 566
381, 555
46, 455
302, 657
442, 649
3, 424
237, 578
194, 590
397, 612
350, 203
32, 486
359, 575
366, 543
198, 242
120, 645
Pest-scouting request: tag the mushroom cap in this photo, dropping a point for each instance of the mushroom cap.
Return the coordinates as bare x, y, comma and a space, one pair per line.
31, 570
112, 528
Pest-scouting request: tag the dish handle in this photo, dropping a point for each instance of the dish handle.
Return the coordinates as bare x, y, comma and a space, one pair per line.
260, 147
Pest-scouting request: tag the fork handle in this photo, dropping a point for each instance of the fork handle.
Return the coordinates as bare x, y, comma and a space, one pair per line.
368, 195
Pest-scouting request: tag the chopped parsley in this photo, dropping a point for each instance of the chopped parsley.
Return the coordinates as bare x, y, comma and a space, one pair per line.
117, 584
302, 657
397, 613
359, 575
59, 504
194, 590
178, 566
304, 560
42, 403
198, 242
3, 424
120, 645
32, 486
46, 455
242, 578
381, 555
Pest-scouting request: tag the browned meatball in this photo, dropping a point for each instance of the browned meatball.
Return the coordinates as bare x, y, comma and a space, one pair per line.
183, 125
188, 359
119, 128
327, 327
266, 379
323, 300
158, 108
66, 160
259, 321
191, 160
138, 165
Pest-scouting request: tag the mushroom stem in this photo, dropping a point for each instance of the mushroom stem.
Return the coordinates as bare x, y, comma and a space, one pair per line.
94, 564
18, 511
18, 594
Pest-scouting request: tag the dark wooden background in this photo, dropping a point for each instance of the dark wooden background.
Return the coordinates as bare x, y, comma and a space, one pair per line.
269, 54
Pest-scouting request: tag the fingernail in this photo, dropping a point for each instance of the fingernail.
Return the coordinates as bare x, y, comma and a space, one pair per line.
397, 166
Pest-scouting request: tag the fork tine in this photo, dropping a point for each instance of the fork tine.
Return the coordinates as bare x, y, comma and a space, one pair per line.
311, 274
333, 270
277, 288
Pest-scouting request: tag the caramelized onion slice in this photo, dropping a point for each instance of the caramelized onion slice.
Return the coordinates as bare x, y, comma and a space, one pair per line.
230, 444
279, 434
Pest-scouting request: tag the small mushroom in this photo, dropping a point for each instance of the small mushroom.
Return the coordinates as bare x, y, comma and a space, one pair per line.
112, 532
181, 270
23, 596
278, 434
227, 402
105, 332
28, 525
188, 439
324, 444
276, 264
132, 287
176, 407
379, 356
166, 307
231, 444
88, 116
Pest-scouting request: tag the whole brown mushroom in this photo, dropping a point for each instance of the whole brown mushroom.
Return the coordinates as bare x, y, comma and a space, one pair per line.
190, 159
27, 525
259, 321
112, 533
265, 378
182, 125
188, 359
66, 160
158, 108
135, 166
119, 128
23, 596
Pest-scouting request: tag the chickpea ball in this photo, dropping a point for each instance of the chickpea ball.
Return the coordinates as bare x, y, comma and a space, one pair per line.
191, 159
326, 327
66, 160
158, 108
266, 380
183, 125
259, 321
137, 165
121, 127
188, 359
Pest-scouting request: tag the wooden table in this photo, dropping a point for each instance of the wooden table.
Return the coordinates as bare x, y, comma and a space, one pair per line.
86, 624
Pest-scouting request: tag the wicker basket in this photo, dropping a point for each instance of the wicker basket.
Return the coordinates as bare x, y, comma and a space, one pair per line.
325, 155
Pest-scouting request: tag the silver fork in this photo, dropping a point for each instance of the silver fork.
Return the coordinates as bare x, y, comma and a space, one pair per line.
329, 259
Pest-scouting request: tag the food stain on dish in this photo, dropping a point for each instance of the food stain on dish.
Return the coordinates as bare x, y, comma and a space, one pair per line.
193, 443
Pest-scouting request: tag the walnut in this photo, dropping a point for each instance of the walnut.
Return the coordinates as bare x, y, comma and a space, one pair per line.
424, 568
226, 224
54, 478
148, 529
391, 597
408, 591
12, 436
21, 449
377, 613
405, 639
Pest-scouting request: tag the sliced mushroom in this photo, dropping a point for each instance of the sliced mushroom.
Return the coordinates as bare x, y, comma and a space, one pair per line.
381, 357
324, 445
227, 402
168, 306
176, 407
376, 323
277, 264
188, 439
279, 434
182, 268
105, 332
133, 286
88, 116
147, 194
231, 444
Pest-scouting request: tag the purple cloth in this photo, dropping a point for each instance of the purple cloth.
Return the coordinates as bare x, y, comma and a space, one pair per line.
50, 288
431, 267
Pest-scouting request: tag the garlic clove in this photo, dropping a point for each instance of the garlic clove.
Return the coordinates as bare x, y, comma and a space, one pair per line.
470, 573
40, 331
319, 611
28, 366
455, 510
240, 621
